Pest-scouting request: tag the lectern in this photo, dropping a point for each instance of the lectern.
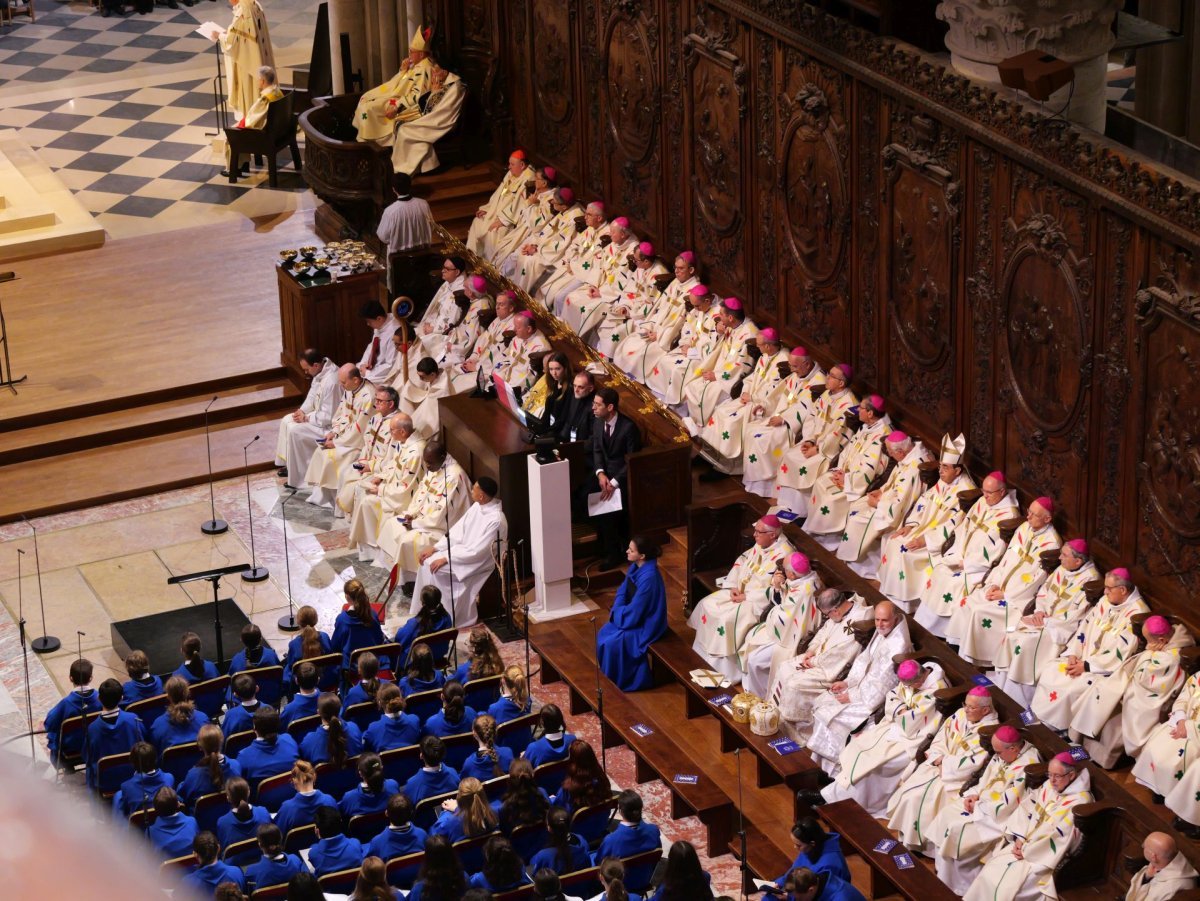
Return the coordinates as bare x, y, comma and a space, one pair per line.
550, 539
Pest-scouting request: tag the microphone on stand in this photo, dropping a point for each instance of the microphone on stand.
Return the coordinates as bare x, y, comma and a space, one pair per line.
212, 526
25, 658
47, 643
255, 573
599, 698
524, 608
79, 644
744, 867
288, 623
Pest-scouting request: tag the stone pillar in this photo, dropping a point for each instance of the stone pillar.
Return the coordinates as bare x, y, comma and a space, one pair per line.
984, 32
379, 31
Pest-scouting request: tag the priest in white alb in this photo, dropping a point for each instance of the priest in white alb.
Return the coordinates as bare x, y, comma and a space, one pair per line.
721, 434
440, 498
803, 677
371, 457
863, 458
502, 202
791, 618
342, 441
981, 620
300, 429
774, 428
822, 438
1040, 635
461, 561
388, 490
1166, 874
634, 324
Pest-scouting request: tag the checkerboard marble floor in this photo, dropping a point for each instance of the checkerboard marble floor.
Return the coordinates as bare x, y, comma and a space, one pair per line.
1120, 87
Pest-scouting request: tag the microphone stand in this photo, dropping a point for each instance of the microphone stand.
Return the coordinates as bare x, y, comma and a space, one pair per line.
744, 867
25, 658
6, 372
79, 644
46, 644
212, 526
255, 573
288, 623
599, 698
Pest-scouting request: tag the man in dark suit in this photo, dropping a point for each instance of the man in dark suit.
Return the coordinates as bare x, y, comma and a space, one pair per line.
614, 437
575, 418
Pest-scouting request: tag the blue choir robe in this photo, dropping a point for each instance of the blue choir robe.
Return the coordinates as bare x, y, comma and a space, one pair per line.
627, 840
545, 751
205, 880
350, 634
396, 841
334, 854
659, 894
504, 710
481, 881
411, 685
438, 724
315, 746
262, 758
427, 782
138, 791
173, 835
77, 703
358, 695
301, 809
638, 618
295, 653
165, 734
407, 635
298, 708
579, 858
243, 660
109, 735
361, 800
141, 689
450, 826
198, 782
835, 888
230, 829
392, 731
830, 860
479, 764
279, 870
239, 718
208, 670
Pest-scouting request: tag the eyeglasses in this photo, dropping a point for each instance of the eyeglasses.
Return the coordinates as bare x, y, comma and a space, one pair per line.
449, 268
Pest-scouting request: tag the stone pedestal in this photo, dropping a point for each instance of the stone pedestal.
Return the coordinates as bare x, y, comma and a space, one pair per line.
985, 32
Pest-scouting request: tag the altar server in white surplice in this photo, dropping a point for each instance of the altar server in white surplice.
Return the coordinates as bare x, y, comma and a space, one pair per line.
878, 758
977, 545
461, 561
1105, 640
1039, 638
801, 679
1038, 835
724, 618
822, 438
791, 618
861, 460
722, 431
955, 755
850, 702
1166, 873
502, 203
982, 619
300, 429
439, 499
972, 824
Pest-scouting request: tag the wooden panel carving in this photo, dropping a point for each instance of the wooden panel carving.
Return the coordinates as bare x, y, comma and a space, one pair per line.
766, 166
866, 270
923, 198
553, 81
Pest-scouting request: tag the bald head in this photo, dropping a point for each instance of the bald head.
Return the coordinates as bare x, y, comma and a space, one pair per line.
401, 426
886, 617
1159, 849
348, 376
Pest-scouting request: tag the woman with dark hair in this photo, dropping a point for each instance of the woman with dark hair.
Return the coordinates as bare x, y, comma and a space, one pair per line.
394, 728
422, 675
304, 887
817, 850
503, 869
484, 657
431, 617
549, 393
585, 783
547, 886
243, 819
455, 717
373, 790
194, 667
442, 877
683, 879
488, 761
336, 739
181, 722
274, 867
638, 619
555, 742
211, 770
565, 852
210, 871
369, 683
356, 626
524, 802
309, 643
469, 814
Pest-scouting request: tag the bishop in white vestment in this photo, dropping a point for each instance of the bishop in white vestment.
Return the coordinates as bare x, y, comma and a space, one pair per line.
666, 371
727, 365
791, 617
722, 431
822, 438
772, 429
507, 193
799, 680
650, 317
861, 460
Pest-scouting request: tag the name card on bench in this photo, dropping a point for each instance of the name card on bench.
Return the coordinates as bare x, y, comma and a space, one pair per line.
641, 729
1078, 754
720, 699
783, 746
983, 680
884, 845
903, 861
1028, 718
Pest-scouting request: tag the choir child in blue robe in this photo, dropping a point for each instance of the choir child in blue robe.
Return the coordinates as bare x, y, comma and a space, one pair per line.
503, 870
301, 809
394, 728
113, 732
555, 741
356, 626
334, 850
181, 722
442, 877
683, 877
138, 791
274, 867
80, 701
255, 652
524, 804
194, 667
271, 752
311, 642
802, 884
455, 717
638, 618
243, 819
467, 815
240, 716
211, 872
565, 852
172, 831
434, 777
431, 617
400, 837
141, 684
514, 702
490, 760
612, 879
372, 792
305, 701
484, 657
369, 683
211, 770
421, 675
632, 835
818, 850
585, 783
335, 739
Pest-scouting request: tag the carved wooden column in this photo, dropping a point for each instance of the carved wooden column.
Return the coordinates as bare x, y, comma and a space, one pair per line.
984, 32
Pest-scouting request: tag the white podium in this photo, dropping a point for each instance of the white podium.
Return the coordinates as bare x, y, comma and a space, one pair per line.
550, 540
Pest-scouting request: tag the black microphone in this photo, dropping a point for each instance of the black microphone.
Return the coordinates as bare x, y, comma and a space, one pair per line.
255, 573
211, 526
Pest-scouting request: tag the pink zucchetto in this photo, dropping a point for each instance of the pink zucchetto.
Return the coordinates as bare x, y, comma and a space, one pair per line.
799, 351
1045, 503
1065, 758
1122, 573
699, 291
979, 691
1079, 546
688, 257
597, 207
646, 249
511, 295
799, 564
845, 369
731, 303
908, 670
550, 172
771, 521
478, 284
770, 335
877, 402
1158, 626
566, 195
897, 437
621, 222
525, 314
1008, 734
998, 476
